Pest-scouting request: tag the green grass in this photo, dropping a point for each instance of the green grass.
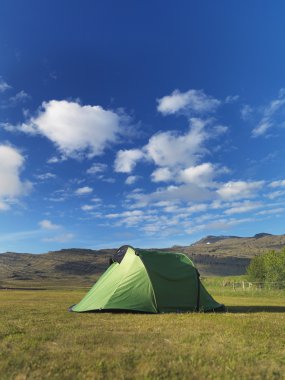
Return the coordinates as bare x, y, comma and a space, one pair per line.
39, 339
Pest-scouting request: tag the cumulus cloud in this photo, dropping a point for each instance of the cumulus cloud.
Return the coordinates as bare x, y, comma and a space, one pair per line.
171, 149
131, 179
239, 189
126, 160
11, 185
77, 129
190, 102
97, 168
162, 175
84, 190
48, 225
201, 175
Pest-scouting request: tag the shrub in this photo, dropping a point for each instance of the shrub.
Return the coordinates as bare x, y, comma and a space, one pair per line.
268, 267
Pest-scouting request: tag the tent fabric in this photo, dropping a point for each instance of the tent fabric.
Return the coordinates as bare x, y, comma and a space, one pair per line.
148, 281
123, 286
174, 279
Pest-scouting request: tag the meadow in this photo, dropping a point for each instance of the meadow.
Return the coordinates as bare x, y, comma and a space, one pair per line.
40, 339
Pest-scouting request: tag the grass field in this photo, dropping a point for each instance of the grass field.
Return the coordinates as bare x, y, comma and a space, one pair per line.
39, 339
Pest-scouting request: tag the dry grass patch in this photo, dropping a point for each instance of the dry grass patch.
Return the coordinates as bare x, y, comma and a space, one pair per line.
39, 339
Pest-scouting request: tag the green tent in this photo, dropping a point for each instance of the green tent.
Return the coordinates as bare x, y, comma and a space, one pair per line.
148, 281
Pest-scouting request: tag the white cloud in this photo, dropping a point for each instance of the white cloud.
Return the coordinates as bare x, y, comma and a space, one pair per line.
4, 86
219, 224
262, 127
20, 97
48, 225
239, 189
64, 238
129, 218
4, 206
87, 207
77, 130
187, 193
97, 168
190, 102
13, 101
11, 185
55, 160
200, 207
201, 175
161, 175
246, 112
243, 207
96, 199
220, 129
127, 159
276, 194
125, 214
271, 115
231, 98
84, 190
45, 176
171, 149
275, 211
131, 179
280, 183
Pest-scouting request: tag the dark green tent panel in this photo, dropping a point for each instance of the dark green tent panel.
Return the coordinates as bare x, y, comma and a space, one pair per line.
148, 281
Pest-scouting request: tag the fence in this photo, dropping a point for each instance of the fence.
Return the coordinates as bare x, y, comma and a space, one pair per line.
247, 285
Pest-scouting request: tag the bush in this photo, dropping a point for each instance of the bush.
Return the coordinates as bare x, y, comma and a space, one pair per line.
268, 267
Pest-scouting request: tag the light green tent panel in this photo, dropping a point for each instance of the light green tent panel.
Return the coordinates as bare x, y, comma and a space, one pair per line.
124, 286
135, 291
99, 294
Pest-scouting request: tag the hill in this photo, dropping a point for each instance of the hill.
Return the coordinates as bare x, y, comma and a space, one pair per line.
213, 255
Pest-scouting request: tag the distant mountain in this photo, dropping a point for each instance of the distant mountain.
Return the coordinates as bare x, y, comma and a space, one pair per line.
213, 239
72, 266
261, 235
213, 255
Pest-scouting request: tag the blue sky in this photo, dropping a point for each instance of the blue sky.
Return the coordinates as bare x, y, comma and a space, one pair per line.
145, 123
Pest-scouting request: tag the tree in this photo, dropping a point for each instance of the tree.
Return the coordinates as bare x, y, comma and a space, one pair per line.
268, 267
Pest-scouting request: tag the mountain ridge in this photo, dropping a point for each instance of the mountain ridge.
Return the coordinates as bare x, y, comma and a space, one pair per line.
225, 255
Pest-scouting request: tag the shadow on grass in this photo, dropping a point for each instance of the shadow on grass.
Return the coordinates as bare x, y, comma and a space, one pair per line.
255, 309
